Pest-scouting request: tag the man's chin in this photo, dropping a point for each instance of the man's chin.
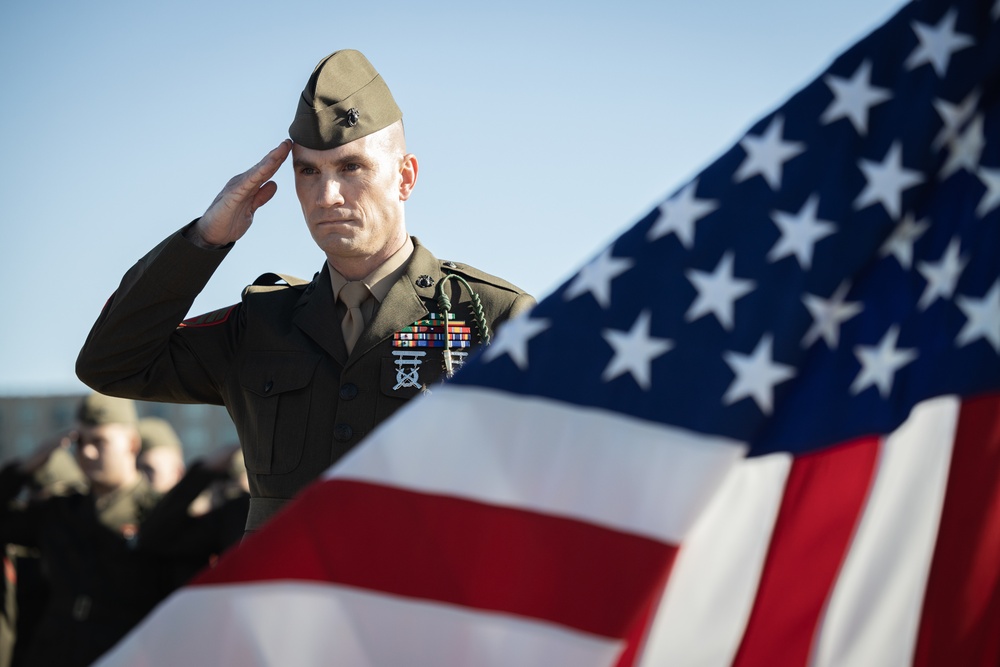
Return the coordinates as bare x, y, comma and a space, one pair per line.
342, 247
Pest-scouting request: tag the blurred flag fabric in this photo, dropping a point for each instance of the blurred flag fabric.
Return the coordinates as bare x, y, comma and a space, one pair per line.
761, 427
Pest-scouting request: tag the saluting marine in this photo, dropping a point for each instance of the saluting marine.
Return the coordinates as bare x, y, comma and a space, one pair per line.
305, 368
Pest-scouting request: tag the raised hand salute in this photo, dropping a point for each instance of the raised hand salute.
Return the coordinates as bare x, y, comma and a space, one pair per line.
230, 215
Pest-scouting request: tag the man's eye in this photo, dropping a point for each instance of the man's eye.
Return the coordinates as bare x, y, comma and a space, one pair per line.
308, 171
352, 166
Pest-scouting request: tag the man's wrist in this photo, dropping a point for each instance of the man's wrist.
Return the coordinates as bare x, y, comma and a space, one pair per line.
192, 234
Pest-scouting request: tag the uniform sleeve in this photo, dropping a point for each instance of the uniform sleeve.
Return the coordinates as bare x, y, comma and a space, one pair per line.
170, 532
166, 521
138, 347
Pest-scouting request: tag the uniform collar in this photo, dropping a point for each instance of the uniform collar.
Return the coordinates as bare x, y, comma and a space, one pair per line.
380, 280
404, 302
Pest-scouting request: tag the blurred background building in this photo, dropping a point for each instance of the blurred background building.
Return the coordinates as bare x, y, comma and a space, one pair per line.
26, 421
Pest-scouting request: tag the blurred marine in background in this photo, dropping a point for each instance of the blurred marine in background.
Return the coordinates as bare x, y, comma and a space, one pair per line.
98, 585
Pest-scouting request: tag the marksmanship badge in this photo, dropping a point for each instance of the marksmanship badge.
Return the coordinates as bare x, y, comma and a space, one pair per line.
408, 368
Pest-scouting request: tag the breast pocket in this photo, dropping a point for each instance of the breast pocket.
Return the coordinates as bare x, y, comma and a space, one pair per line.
278, 392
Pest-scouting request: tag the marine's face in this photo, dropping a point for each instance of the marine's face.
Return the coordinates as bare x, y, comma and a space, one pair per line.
352, 196
106, 454
162, 466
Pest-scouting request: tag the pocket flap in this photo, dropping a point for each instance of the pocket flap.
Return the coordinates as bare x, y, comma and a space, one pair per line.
273, 373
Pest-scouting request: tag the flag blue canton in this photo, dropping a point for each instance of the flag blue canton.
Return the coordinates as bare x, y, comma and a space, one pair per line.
834, 268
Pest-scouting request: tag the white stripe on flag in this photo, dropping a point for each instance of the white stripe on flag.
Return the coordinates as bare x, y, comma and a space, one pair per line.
873, 615
874, 608
541, 455
288, 623
714, 579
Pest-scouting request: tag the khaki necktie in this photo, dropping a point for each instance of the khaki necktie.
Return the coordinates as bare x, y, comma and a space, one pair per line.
353, 294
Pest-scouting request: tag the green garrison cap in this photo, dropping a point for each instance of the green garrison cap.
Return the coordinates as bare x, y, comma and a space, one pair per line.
156, 432
345, 99
98, 409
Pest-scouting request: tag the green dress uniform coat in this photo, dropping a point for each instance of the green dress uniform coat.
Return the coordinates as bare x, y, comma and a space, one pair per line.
277, 360
99, 585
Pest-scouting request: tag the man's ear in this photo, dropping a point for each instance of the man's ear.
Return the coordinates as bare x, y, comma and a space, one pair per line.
408, 170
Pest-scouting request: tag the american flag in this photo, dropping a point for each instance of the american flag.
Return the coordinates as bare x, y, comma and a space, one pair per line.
761, 427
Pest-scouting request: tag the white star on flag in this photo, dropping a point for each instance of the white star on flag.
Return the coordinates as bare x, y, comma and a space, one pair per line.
942, 276
679, 213
954, 116
991, 198
853, 98
596, 277
799, 233
767, 154
886, 181
983, 318
756, 375
938, 43
900, 242
828, 315
634, 351
717, 292
965, 150
512, 339
879, 363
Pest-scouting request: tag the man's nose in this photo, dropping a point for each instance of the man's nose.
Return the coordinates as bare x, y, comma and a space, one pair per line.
330, 194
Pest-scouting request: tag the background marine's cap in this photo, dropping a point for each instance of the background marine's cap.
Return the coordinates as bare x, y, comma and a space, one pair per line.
98, 409
156, 432
345, 99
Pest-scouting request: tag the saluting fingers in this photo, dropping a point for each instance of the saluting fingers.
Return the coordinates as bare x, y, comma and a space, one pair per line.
268, 166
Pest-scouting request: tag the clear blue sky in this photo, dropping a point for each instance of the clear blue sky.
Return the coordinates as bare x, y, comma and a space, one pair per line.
543, 130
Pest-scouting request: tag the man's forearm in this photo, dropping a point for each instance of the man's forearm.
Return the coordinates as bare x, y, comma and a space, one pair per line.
130, 351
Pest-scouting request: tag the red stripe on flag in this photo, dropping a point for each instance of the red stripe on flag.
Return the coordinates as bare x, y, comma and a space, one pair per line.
456, 551
961, 615
637, 637
823, 498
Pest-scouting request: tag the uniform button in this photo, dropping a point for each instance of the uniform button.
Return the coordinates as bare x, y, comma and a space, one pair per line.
348, 391
81, 607
451, 265
268, 386
342, 432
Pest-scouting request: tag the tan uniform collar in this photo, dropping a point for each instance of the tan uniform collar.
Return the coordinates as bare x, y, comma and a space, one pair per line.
409, 297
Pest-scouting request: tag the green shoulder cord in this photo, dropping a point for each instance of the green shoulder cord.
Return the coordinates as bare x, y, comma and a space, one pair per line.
444, 304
